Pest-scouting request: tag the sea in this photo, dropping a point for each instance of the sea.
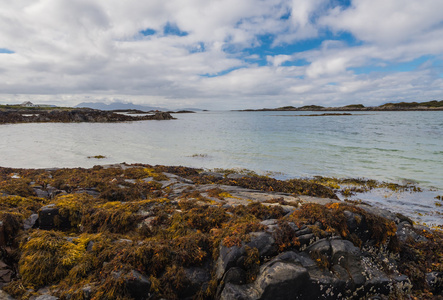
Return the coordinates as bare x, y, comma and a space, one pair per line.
400, 147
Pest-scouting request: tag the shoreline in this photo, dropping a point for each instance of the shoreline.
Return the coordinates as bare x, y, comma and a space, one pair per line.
149, 232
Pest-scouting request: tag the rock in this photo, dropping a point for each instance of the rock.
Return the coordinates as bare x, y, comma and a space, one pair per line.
435, 282
306, 239
303, 231
136, 284
5, 296
197, 277
2, 235
41, 193
281, 280
6, 274
405, 232
236, 176
238, 292
345, 254
49, 218
46, 297
213, 174
228, 258
30, 222
264, 242
321, 246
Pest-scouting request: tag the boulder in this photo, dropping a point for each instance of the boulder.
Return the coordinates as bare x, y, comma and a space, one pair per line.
50, 218
228, 258
264, 242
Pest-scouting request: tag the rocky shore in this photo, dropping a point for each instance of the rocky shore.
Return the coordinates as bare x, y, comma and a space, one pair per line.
157, 232
73, 116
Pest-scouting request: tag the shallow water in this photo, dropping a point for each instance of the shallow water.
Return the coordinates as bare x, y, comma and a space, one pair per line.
387, 146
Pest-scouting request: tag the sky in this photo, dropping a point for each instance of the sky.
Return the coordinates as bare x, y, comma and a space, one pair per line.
221, 54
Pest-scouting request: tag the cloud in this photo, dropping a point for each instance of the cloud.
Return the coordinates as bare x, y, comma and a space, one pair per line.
220, 54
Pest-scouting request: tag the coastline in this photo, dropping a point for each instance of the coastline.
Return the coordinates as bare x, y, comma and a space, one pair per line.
141, 231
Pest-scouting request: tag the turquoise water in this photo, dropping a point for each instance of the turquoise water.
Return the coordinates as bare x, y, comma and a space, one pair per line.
387, 146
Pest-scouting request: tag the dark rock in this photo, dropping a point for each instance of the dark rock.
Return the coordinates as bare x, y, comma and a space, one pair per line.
2, 235
321, 246
345, 254
306, 239
49, 218
235, 275
405, 232
6, 274
197, 277
303, 231
435, 282
281, 280
264, 242
237, 292
41, 193
136, 284
228, 258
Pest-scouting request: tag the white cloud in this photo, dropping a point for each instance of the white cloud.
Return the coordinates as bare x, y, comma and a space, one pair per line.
72, 51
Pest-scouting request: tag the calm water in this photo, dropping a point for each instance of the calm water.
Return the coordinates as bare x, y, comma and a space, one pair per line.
388, 146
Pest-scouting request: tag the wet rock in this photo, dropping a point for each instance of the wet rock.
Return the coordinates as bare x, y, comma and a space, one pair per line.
236, 176
306, 239
405, 231
303, 231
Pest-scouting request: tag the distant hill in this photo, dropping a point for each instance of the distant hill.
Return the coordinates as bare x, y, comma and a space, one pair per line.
119, 106
401, 106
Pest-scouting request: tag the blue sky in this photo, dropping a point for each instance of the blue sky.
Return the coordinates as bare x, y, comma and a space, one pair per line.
221, 54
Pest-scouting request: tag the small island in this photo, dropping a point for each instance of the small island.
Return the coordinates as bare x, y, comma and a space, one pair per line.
30, 113
402, 106
160, 232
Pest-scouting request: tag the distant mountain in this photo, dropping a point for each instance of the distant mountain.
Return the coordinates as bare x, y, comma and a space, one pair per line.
118, 105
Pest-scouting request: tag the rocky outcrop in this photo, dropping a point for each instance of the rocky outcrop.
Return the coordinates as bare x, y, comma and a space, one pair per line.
144, 232
75, 116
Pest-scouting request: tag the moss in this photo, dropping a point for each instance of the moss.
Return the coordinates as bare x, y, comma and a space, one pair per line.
48, 256
259, 211
17, 186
